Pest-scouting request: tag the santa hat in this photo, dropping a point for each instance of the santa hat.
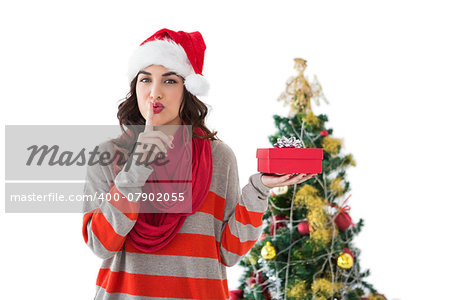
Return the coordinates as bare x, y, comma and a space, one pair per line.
180, 52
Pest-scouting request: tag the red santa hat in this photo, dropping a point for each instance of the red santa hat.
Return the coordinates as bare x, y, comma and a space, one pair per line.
180, 52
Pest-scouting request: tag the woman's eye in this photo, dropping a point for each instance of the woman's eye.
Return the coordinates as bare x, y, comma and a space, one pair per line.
148, 80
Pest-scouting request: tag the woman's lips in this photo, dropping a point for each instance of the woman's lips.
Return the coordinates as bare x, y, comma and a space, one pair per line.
157, 109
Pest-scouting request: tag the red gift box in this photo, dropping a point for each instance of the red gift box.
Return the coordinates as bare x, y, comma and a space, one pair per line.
289, 160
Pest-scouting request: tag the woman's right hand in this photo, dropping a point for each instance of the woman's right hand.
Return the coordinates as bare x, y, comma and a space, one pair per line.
150, 137
271, 180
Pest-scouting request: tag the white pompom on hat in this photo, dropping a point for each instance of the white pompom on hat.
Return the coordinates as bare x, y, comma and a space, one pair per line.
180, 52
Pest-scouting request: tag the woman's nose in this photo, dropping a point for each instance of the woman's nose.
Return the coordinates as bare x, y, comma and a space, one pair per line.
156, 92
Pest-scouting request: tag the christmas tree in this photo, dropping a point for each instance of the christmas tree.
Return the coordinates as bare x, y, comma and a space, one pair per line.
306, 250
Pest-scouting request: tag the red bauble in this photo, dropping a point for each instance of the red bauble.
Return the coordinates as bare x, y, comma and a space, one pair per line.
271, 229
303, 227
279, 225
259, 279
236, 294
348, 251
343, 221
266, 295
251, 281
324, 133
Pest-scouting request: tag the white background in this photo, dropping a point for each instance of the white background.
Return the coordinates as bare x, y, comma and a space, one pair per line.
384, 68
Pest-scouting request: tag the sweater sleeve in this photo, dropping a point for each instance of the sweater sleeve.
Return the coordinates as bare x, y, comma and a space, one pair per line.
107, 223
242, 223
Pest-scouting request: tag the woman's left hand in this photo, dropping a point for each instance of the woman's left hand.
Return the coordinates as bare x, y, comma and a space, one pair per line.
272, 181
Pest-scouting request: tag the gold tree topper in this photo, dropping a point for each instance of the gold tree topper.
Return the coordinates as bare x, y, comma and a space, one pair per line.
299, 91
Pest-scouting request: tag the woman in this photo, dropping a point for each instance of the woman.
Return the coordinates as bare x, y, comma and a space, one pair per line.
171, 255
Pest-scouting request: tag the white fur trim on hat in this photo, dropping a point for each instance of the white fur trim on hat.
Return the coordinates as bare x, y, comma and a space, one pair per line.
170, 55
197, 84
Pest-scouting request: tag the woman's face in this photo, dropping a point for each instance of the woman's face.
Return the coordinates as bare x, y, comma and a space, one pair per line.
164, 89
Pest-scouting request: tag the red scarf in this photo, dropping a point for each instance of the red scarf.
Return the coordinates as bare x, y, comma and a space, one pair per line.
153, 231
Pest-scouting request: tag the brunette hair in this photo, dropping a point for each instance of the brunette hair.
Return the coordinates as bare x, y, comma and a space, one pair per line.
192, 112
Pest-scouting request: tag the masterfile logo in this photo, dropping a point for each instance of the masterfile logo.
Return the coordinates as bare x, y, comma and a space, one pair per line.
58, 168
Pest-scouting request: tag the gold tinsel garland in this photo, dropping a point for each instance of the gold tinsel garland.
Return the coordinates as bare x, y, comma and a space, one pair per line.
317, 216
297, 290
304, 194
330, 145
311, 119
336, 186
322, 287
348, 160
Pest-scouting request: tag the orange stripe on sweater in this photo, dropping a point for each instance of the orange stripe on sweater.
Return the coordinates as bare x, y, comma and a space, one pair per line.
233, 244
162, 286
221, 260
100, 225
185, 244
248, 217
214, 205
105, 232
86, 217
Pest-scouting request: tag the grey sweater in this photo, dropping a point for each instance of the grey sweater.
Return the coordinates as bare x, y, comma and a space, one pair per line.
193, 265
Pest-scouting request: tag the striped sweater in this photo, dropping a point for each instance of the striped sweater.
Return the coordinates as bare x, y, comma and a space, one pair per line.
193, 265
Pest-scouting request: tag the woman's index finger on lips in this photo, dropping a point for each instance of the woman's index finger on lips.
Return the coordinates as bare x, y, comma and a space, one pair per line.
149, 120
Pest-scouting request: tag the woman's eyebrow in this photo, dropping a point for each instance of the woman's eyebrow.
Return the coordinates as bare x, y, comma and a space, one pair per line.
165, 74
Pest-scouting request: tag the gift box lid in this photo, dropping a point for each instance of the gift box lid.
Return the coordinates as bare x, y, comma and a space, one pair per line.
289, 153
